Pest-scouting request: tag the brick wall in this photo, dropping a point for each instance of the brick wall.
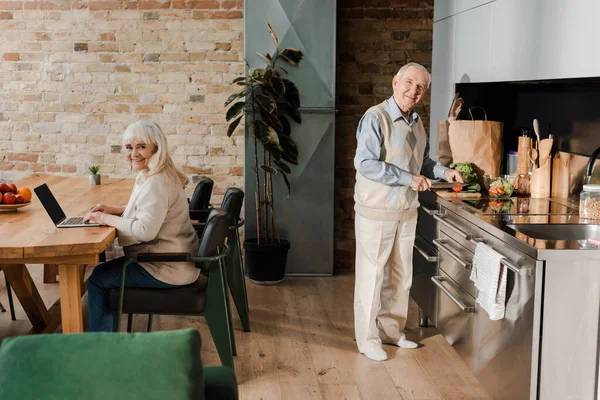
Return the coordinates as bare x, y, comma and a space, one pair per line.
374, 39
73, 76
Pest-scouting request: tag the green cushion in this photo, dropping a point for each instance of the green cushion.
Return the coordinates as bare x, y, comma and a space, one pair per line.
220, 383
160, 365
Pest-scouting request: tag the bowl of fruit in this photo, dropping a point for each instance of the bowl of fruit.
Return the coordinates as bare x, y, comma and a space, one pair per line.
498, 187
13, 198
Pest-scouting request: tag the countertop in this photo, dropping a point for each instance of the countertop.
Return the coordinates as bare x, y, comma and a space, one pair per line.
498, 225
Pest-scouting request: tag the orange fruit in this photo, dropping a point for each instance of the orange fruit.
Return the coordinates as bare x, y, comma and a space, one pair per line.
26, 193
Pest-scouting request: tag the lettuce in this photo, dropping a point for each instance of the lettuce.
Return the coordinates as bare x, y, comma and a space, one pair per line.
508, 188
466, 170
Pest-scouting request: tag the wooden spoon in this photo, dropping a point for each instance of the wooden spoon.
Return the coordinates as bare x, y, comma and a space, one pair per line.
536, 129
545, 149
533, 156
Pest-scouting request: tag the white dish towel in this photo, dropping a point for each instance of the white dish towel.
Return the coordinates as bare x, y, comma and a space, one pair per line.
489, 276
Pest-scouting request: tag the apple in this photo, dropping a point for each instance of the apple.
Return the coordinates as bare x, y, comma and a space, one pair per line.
9, 198
13, 187
19, 199
4, 188
1, 198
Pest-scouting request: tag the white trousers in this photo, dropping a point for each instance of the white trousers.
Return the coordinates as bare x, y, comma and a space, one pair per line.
384, 251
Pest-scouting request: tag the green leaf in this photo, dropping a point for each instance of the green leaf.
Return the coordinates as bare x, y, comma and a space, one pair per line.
291, 56
273, 150
286, 129
286, 180
291, 93
278, 86
283, 166
291, 111
268, 74
267, 58
273, 35
265, 134
290, 149
235, 96
281, 68
239, 79
233, 125
272, 121
235, 110
265, 102
268, 169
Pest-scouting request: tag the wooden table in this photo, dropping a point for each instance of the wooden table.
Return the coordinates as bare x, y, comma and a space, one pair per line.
28, 236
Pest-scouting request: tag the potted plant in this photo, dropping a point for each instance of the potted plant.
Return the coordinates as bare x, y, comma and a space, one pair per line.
94, 176
267, 100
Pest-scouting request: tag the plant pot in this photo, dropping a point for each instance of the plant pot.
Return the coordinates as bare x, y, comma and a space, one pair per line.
265, 262
95, 179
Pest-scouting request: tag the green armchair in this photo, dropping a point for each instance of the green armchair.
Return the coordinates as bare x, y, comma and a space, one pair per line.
94, 366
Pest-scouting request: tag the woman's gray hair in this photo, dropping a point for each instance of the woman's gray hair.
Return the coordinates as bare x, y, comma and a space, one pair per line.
417, 66
149, 132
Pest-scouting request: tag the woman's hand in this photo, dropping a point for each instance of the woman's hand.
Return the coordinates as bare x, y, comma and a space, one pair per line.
101, 218
107, 209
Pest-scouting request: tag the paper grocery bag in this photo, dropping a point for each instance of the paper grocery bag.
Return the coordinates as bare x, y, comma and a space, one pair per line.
477, 142
442, 150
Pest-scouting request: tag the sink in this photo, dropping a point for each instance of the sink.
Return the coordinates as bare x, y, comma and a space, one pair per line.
558, 231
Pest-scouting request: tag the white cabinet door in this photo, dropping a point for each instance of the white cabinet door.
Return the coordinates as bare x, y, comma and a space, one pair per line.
445, 8
472, 45
442, 86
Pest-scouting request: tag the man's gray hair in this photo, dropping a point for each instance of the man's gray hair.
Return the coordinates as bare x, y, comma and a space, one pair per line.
417, 66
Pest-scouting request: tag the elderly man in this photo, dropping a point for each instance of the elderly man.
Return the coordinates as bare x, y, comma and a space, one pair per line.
391, 160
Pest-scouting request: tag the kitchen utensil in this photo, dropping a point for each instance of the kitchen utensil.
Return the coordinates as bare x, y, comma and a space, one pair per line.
447, 185
523, 163
536, 129
544, 150
533, 156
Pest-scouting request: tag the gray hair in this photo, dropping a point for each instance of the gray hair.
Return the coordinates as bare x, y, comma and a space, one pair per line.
417, 66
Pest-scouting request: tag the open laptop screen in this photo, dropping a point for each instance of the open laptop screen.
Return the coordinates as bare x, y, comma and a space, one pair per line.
50, 204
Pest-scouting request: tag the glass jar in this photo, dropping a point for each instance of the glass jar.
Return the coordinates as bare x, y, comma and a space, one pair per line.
589, 202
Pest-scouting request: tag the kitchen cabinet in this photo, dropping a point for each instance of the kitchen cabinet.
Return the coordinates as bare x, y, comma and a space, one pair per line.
472, 45
446, 8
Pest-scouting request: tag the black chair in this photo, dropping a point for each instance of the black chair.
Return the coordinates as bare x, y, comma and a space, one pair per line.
207, 296
11, 304
200, 199
232, 203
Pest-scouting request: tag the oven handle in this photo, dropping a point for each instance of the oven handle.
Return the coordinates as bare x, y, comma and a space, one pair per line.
429, 211
437, 280
453, 227
426, 256
441, 245
522, 271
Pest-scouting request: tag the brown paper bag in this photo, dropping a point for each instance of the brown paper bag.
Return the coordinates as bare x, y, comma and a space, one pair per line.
442, 151
477, 142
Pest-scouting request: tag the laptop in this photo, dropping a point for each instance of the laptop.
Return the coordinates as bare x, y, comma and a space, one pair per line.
55, 212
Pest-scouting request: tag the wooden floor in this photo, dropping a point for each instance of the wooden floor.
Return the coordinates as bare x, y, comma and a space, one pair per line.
302, 347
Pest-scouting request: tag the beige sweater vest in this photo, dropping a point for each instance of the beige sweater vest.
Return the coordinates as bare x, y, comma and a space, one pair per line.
381, 202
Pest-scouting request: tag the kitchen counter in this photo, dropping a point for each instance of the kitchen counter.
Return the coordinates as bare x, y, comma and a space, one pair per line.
540, 249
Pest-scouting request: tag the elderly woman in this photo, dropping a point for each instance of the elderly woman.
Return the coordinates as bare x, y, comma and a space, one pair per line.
156, 219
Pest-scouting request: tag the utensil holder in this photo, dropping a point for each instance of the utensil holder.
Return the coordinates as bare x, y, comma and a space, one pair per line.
540, 179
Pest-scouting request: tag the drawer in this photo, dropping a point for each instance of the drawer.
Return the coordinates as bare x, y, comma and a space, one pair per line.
426, 225
456, 261
461, 230
455, 316
423, 290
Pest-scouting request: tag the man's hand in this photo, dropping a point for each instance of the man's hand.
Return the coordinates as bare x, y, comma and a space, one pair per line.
420, 183
453, 175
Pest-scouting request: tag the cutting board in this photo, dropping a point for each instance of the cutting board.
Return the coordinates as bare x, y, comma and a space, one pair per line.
447, 195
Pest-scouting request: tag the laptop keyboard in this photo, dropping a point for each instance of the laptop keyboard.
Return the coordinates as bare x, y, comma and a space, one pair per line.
73, 221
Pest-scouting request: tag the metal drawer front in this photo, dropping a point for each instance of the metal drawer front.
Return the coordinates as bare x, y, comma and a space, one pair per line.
455, 318
456, 261
459, 229
423, 291
426, 225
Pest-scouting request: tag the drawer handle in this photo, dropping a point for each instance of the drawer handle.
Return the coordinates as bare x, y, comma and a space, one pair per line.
522, 271
437, 280
429, 211
441, 244
453, 227
426, 256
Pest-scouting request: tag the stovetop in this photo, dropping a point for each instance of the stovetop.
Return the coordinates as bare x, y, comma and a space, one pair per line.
519, 206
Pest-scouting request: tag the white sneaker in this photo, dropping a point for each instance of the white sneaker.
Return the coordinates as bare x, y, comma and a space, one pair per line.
376, 355
404, 343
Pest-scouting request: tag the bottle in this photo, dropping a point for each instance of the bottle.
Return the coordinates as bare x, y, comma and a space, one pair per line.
589, 202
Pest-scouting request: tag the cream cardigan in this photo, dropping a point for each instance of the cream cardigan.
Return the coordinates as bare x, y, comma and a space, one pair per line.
157, 220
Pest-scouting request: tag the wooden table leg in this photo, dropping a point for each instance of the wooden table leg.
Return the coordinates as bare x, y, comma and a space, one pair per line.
70, 298
28, 295
50, 272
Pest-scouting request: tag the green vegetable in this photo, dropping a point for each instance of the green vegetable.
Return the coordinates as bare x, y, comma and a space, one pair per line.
508, 188
475, 187
466, 170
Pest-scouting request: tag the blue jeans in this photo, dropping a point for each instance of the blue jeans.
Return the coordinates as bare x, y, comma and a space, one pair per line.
108, 276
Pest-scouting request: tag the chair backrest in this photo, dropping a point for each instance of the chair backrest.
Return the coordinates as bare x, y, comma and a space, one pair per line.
201, 197
232, 203
214, 235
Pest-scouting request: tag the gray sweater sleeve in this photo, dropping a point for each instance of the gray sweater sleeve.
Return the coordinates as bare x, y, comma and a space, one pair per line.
430, 168
368, 153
